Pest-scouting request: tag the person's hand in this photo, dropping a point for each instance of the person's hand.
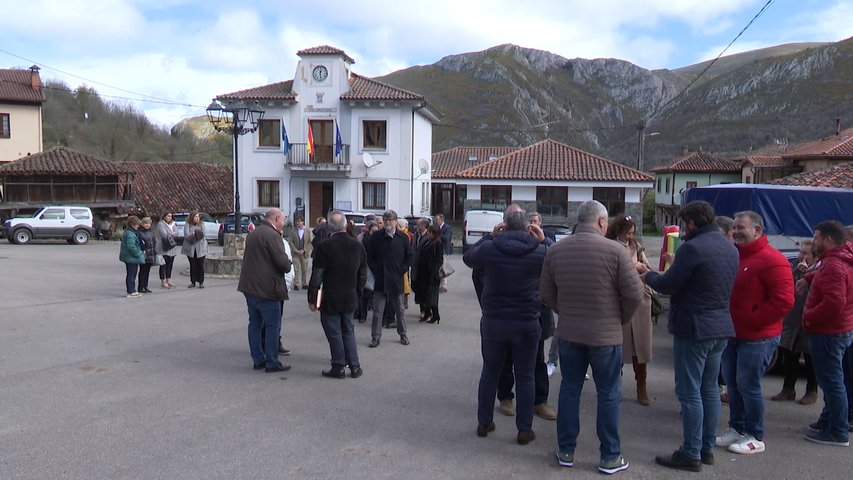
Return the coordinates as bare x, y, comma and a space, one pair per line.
645, 274
802, 266
536, 232
801, 286
641, 268
668, 258
312, 307
499, 228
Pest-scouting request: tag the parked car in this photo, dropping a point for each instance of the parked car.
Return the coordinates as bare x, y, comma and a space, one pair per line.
248, 222
357, 218
211, 226
560, 231
478, 223
73, 223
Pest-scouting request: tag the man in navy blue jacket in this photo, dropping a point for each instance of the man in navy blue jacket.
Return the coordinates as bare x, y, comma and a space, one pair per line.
510, 319
699, 282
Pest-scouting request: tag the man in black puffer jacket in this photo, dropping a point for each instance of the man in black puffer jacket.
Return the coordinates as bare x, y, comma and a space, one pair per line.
511, 260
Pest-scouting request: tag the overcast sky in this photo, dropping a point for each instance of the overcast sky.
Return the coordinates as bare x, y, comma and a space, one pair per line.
188, 51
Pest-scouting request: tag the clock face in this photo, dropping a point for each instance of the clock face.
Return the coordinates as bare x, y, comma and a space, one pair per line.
320, 73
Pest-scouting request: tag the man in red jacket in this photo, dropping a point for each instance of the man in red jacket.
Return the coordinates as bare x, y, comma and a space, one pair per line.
828, 317
763, 293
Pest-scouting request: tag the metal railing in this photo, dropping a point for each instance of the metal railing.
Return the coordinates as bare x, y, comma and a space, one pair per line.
323, 155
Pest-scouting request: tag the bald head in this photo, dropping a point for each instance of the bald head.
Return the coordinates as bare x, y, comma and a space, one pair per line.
275, 217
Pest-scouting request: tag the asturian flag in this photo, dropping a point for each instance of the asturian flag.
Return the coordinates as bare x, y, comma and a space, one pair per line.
309, 147
285, 143
339, 144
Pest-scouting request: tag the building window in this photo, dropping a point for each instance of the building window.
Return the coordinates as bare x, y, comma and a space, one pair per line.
268, 193
373, 196
375, 134
690, 185
495, 197
658, 185
269, 133
612, 198
552, 201
425, 190
667, 186
5, 131
748, 179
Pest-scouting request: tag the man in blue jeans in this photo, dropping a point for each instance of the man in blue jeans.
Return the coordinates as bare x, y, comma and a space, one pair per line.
700, 283
828, 317
762, 295
592, 283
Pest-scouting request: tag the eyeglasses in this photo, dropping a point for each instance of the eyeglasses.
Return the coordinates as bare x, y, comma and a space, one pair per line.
628, 217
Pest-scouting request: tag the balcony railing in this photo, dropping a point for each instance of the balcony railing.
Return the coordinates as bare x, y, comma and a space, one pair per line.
324, 156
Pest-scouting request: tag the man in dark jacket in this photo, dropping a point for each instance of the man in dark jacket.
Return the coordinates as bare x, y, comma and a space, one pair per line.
510, 319
388, 257
700, 283
340, 267
828, 317
262, 283
446, 234
763, 293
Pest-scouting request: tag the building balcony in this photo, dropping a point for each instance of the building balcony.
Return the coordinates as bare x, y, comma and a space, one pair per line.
323, 159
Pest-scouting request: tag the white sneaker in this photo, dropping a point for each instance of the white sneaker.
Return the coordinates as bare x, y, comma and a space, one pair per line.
729, 437
747, 446
133, 295
551, 367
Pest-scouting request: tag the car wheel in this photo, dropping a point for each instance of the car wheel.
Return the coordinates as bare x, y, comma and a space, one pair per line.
22, 236
81, 237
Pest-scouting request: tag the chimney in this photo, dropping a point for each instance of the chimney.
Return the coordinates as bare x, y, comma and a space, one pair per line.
700, 149
684, 150
837, 126
35, 80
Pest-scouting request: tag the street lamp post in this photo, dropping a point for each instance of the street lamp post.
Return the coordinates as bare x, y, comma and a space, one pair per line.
236, 120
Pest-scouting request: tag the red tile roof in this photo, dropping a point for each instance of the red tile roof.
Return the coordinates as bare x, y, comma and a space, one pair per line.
554, 161
325, 50
16, 86
448, 163
273, 91
361, 88
699, 162
767, 161
182, 187
838, 176
62, 161
834, 146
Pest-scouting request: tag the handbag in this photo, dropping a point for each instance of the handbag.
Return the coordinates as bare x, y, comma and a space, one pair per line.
198, 235
159, 260
446, 269
169, 243
657, 307
371, 280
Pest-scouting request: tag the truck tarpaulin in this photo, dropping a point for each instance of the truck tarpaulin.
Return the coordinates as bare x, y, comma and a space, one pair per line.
787, 210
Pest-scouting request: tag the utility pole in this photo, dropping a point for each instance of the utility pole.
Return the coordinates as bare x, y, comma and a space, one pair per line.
641, 132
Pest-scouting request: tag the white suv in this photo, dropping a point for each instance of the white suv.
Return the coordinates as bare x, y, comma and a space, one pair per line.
73, 223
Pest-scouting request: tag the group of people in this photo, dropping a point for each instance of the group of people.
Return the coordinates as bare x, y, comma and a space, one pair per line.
731, 301
143, 247
345, 267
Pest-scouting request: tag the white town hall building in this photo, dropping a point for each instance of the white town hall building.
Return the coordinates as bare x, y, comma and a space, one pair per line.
380, 162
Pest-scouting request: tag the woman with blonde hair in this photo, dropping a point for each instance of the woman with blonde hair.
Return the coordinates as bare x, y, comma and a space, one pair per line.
195, 248
636, 334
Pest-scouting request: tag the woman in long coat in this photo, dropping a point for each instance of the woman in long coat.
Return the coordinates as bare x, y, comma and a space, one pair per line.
166, 245
426, 280
195, 248
636, 334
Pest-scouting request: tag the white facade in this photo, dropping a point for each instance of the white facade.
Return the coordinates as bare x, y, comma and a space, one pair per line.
310, 186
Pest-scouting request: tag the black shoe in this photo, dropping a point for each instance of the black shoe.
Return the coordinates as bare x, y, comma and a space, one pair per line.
295, 288
362, 320
483, 430
679, 462
283, 352
145, 290
404, 339
434, 320
374, 343
259, 366
707, 458
335, 372
355, 372
200, 285
391, 325
281, 367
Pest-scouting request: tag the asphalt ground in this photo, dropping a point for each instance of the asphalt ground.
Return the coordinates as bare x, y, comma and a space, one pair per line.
94, 385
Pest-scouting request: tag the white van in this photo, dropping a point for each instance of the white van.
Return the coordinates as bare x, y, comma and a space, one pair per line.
478, 223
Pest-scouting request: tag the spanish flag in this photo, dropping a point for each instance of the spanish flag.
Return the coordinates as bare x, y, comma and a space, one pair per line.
309, 147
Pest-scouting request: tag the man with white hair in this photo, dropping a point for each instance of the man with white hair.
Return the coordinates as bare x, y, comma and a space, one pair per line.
262, 283
592, 284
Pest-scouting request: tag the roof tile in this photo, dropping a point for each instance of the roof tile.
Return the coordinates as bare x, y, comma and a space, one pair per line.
837, 176
448, 163
273, 91
699, 162
325, 50
16, 86
836, 145
182, 187
554, 161
62, 161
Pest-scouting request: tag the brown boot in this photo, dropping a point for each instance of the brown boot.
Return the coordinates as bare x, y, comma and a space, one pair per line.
784, 396
640, 374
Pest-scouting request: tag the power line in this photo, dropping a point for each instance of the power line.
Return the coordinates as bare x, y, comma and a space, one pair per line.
148, 98
707, 67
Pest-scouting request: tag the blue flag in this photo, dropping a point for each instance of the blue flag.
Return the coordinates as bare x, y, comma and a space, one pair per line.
285, 143
339, 145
